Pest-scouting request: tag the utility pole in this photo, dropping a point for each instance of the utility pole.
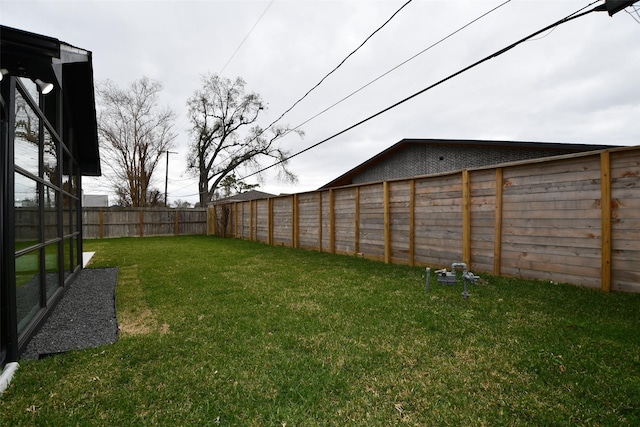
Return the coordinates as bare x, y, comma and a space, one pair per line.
166, 177
614, 6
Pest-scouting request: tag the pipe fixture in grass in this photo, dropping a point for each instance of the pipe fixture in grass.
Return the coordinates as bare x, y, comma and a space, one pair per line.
451, 277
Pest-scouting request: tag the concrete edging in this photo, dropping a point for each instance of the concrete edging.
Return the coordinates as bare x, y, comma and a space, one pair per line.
7, 375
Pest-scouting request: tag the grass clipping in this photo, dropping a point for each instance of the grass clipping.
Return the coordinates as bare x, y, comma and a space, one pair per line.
137, 318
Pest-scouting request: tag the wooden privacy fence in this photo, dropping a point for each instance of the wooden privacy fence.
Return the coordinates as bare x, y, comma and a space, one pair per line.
136, 222
573, 218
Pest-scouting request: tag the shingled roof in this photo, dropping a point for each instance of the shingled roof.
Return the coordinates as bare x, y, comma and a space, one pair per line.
244, 197
542, 149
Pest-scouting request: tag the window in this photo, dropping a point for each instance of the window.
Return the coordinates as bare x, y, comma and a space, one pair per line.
47, 234
51, 268
27, 287
27, 212
26, 142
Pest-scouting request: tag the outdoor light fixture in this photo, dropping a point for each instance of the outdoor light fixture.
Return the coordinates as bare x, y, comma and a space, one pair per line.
45, 87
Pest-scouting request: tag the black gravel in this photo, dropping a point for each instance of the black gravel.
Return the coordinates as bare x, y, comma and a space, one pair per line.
84, 318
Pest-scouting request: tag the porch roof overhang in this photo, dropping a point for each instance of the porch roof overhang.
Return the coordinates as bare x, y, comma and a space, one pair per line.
25, 54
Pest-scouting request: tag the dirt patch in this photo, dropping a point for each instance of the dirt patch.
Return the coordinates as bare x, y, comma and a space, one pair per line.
138, 318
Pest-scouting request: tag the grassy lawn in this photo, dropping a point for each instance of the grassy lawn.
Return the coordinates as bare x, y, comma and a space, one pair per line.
231, 332
28, 265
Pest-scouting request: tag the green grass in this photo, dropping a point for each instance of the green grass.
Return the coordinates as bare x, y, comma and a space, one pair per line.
231, 332
28, 265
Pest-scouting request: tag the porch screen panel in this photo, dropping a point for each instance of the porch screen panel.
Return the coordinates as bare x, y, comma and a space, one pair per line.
51, 266
27, 287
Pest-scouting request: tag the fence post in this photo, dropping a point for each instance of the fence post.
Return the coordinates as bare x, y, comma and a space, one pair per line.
605, 207
295, 225
412, 221
141, 224
177, 225
497, 233
101, 224
251, 220
357, 221
215, 220
466, 218
320, 221
270, 221
332, 223
387, 222
235, 219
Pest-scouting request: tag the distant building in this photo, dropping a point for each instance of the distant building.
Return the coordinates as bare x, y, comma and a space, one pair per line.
95, 201
243, 197
417, 157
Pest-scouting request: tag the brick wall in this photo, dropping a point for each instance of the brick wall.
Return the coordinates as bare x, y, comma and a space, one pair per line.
417, 160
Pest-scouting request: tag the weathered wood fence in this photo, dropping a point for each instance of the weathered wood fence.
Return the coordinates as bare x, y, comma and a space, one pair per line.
121, 222
573, 218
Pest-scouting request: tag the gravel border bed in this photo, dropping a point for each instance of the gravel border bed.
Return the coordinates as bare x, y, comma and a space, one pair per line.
84, 318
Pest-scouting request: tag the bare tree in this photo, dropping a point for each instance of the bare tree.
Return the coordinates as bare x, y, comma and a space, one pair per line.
181, 204
225, 136
135, 131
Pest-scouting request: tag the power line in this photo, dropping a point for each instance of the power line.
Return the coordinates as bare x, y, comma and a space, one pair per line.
636, 10
174, 180
339, 65
246, 37
397, 66
188, 185
387, 72
322, 80
542, 37
571, 17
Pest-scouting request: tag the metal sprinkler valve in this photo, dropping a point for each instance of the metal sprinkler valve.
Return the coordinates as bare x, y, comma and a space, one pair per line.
471, 278
446, 277
450, 278
468, 277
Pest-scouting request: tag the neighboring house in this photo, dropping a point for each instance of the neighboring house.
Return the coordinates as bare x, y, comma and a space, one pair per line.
48, 141
243, 197
95, 201
416, 157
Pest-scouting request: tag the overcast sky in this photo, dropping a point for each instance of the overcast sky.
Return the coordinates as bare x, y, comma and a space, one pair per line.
576, 84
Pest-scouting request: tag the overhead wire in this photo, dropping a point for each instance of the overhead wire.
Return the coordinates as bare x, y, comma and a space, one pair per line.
380, 76
339, 65
397, 66
634, 10
246, 37
440, 41
185, 195
579, 13
174, 180
325, 76
544, 36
